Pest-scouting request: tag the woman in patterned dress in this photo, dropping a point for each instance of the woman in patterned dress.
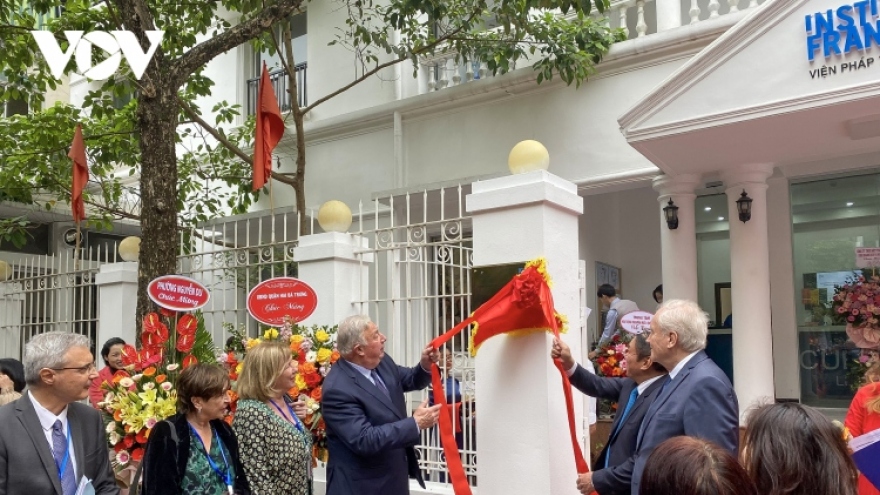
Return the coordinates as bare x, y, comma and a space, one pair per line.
195, 452
275, 445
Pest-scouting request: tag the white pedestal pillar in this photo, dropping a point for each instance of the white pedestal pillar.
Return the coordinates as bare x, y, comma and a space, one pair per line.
523, 443
327, 262
117, 307
678, 249
11, 301
750, 287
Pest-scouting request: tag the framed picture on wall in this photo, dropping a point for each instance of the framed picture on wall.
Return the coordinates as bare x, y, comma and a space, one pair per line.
605, 274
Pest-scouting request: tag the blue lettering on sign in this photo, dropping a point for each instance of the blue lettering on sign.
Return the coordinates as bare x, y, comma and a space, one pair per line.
842, 30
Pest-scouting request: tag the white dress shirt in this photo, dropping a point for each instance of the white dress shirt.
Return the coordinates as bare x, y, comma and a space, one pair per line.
47, 420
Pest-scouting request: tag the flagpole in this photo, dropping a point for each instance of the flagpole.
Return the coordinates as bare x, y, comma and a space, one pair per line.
272, 209
76, 248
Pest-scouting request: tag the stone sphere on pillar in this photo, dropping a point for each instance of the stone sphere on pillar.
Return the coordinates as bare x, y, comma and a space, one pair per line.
527, 156
130, 248
334, 216
5, 271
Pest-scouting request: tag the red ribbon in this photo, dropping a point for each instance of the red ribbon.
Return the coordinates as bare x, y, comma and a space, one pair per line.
460, 484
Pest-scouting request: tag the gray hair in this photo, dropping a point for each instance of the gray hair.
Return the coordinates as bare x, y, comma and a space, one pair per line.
351, 332
47, 350
686, 319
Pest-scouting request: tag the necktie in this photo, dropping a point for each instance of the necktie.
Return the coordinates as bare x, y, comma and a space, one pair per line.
629, 405
59, 452
379, 384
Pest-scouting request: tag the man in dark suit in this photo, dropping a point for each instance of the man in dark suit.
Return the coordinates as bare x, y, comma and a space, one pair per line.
49, 442
612, 471
698, 400
369, 434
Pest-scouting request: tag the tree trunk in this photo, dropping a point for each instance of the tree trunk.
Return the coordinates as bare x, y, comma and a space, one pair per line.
299, 180
157, 120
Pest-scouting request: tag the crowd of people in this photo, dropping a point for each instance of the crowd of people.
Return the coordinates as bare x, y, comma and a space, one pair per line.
676, 430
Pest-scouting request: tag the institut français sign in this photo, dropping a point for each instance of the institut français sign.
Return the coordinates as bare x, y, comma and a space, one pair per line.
835, 33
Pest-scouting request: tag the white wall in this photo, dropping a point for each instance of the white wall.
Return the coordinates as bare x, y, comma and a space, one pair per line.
622, 229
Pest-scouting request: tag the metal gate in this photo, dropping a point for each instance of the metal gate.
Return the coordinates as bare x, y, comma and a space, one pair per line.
419, 263
50, 293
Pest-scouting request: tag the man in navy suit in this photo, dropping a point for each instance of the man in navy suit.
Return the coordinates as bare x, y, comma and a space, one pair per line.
369, 434
612, 471
697, 400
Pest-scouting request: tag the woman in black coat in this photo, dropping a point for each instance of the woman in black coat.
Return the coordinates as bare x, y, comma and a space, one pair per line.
195, 452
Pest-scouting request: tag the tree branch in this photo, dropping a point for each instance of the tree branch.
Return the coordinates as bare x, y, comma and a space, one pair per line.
226, 142
374, 70
205, 51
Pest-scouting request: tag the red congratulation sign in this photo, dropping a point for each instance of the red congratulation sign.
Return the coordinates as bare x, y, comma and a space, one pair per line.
178, 293
270, 301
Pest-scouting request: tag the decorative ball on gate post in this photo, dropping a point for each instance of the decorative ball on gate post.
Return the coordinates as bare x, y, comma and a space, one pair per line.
5, 271
130, 248
527, 156
334, 216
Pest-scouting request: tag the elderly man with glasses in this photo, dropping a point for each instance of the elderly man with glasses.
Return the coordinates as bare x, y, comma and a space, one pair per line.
50, 443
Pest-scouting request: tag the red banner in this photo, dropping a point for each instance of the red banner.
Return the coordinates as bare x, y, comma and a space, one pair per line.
270, 301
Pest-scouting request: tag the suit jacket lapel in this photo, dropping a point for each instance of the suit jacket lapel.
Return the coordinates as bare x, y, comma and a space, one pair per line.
668, 390
364, 383
28, 417
77, 432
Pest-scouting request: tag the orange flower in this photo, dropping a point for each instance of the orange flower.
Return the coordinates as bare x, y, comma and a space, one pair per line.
334, 357
306, 369
119, 375
160, 378
293, 392
117, 415
316, 394
150, 371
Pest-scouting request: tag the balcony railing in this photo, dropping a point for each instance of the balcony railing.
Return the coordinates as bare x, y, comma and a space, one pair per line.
638, 18
279, 80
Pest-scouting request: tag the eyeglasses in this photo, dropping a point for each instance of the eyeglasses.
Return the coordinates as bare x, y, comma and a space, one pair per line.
82, 369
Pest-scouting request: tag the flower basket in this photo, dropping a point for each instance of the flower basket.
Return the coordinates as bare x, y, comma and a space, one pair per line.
144, 393
857, 305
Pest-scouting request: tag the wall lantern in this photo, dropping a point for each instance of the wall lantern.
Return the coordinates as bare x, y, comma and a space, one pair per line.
671, 212
744, 207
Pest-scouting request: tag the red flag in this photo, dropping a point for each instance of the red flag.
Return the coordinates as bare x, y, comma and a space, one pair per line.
270, 128
80, 174
525, 304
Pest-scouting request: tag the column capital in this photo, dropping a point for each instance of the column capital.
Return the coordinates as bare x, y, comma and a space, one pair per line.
331, 246
516, 191
750, 174
125, 272
676, 185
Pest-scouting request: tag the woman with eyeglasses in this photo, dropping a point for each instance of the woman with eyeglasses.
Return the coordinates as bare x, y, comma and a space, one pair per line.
275, 444
111, 353
195, 452
11, 380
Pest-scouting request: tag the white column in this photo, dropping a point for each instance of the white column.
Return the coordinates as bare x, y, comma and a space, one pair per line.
668, 17
678, 247
117, 303
327, 262
750, 287
523, 442
11, 301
